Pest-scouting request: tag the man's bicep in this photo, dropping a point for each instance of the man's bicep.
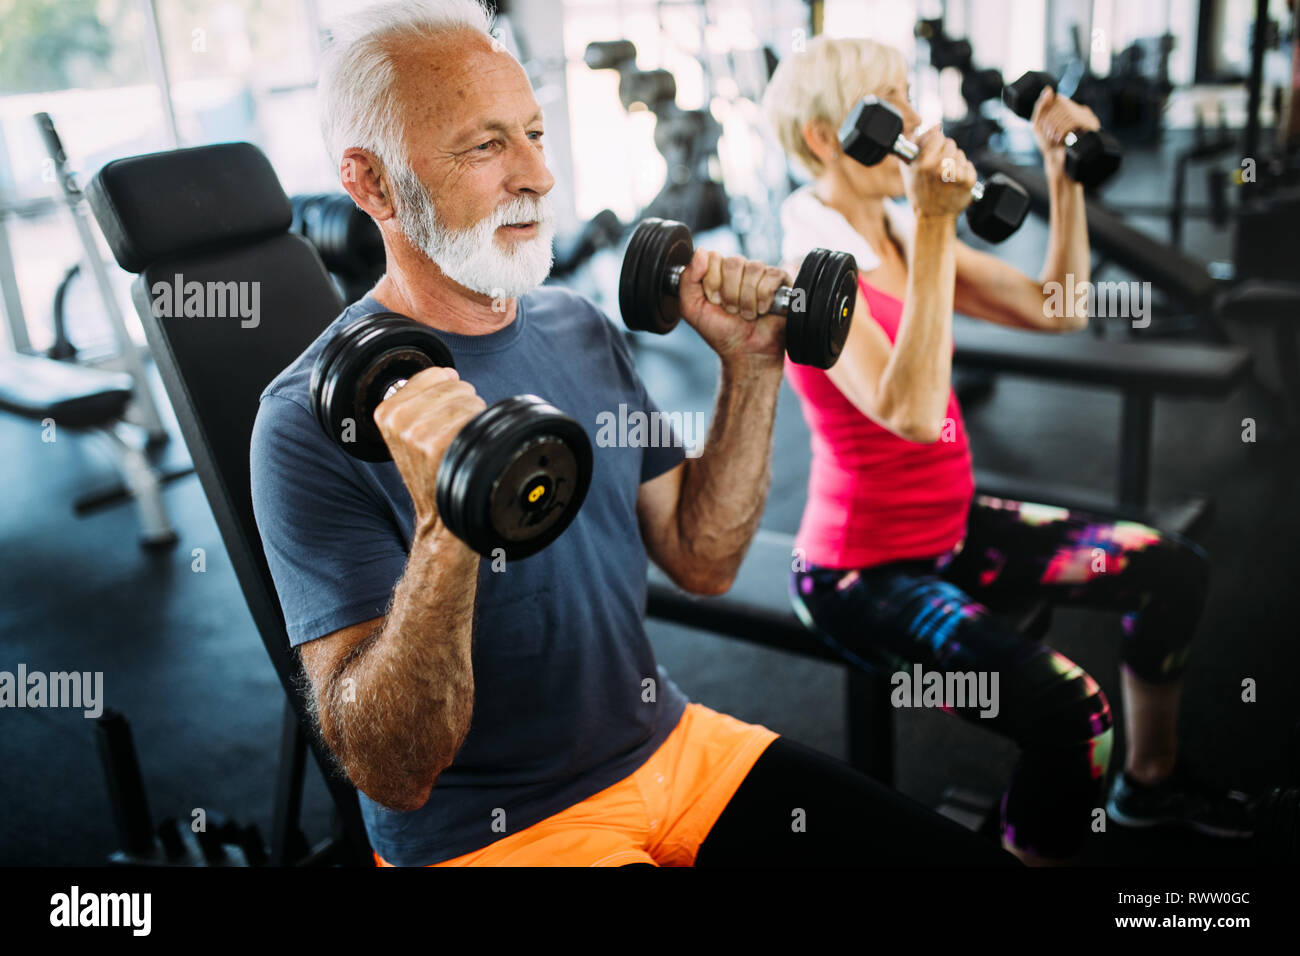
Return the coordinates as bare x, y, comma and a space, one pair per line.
334, 550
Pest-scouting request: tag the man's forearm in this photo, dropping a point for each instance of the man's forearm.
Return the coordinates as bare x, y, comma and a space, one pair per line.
398, 708
724, 490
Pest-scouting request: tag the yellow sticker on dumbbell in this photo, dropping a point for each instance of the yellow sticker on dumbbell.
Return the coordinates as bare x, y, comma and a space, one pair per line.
535, 494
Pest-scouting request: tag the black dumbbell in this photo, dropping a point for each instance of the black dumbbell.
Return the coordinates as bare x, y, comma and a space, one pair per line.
977, 86
514, 476
347, 239
874, 130
1091, 156
944, 50
818, 307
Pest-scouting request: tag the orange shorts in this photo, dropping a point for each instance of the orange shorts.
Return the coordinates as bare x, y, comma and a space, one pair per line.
658, 815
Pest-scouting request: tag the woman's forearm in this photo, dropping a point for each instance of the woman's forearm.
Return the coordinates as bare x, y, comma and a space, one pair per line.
912, 394
1067, 244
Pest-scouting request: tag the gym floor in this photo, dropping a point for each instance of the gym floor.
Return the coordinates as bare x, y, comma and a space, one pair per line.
183, 661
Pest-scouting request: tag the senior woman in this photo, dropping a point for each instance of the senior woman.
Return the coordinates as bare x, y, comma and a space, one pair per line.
899, 557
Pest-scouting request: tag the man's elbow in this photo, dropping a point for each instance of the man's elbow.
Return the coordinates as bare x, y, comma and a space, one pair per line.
402, 792
402, 796
400, 801
710, 585
706, 581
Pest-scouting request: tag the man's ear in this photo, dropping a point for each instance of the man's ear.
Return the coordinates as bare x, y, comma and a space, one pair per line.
365, 180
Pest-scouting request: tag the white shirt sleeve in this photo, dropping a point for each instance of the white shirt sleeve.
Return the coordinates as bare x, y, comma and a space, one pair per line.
902, 222
807, 224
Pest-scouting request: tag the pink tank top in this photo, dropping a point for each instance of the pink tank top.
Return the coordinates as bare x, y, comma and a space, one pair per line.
873, 497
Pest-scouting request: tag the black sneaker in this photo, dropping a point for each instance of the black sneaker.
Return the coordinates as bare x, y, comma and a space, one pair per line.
1181, 799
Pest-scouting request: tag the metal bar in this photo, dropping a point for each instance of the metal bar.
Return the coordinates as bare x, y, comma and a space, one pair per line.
1135, 448
731, 618
1254, 87
13, 302
1176, 205
287, 812
130, 355
10, 294
1203, 64
1162, 210
126, 793
153, 47
143, 483
311, 14
1288, 364
131, 359
870, 724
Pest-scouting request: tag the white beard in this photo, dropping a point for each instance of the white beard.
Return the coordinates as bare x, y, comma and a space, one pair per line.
471, 257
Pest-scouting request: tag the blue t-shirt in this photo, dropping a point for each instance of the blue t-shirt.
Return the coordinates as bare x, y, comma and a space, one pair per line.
561, 658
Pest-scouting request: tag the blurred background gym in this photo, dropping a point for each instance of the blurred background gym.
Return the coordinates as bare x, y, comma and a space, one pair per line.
112, 560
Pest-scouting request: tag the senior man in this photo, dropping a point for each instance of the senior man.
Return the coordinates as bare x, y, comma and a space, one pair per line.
517, 715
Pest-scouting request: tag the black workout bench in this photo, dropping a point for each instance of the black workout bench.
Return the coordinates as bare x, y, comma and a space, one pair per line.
757, 610
89, 401
1140, 371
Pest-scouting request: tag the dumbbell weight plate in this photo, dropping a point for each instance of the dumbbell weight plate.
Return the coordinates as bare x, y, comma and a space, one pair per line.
1002, 210
356, 368
1021, 95
1095, 157
815, 334
514, 477
668, 246
632, 309
655, 247
834, 297
326, 396
799, 343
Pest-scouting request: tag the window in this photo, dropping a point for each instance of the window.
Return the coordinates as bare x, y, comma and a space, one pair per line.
82, 62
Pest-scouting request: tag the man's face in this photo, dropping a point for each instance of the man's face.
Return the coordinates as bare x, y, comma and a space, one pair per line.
474, 197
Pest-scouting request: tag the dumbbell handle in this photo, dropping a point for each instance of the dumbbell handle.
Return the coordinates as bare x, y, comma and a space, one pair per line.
907, 151
780, 299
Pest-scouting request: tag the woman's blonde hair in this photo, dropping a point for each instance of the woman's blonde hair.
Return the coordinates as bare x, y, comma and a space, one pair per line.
822, 83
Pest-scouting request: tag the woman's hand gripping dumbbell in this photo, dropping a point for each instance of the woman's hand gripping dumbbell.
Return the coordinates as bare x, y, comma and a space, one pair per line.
1091, 155
818, 307
505, 478
873, 130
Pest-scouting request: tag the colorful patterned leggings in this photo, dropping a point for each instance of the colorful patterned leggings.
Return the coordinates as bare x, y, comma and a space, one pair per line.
933, 613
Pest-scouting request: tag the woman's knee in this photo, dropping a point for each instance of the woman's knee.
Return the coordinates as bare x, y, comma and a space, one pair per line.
1065, 710
1186, 563
1158, 636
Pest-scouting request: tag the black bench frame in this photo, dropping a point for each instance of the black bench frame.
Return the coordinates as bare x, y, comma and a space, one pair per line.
869, 715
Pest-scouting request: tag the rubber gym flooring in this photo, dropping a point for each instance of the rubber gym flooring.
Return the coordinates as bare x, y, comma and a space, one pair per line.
184, 663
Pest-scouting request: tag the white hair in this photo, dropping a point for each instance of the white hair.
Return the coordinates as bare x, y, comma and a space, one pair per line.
357, 74
470, 257
357, 111
822, 83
